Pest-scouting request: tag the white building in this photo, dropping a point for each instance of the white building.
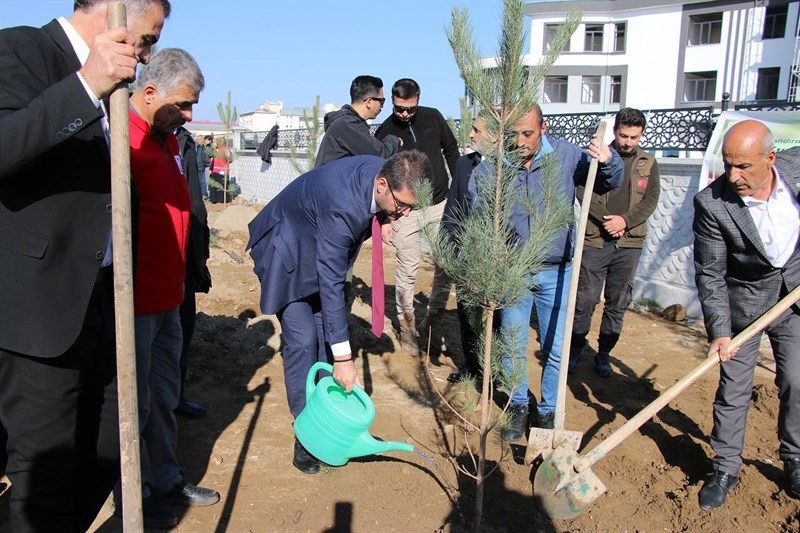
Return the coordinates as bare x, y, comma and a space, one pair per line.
664, 54
272, 112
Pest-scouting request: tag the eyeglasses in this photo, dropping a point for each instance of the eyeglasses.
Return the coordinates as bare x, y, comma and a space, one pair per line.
379, 100
399, 206
410, 109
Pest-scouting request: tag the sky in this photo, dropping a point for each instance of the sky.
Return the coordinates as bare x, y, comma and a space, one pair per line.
294, 50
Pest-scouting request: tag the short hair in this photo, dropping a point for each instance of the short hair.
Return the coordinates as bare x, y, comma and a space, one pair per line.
405, 88
628, 116
406, 169
169, 69
768, 142
537, 110
364, 86
208, 137
135, 8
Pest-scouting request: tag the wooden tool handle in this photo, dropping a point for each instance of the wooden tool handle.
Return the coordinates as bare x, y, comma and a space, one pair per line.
645, 414
123, 295
561, 394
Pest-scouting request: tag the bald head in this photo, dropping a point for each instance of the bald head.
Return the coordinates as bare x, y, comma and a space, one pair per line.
748, 153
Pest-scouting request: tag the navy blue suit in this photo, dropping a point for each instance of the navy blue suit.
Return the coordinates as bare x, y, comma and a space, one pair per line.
303, 243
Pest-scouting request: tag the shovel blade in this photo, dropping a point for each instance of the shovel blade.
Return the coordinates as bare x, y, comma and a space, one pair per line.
541, 442
562, 492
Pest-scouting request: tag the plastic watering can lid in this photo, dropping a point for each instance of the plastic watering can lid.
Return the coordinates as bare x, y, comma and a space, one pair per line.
355, 406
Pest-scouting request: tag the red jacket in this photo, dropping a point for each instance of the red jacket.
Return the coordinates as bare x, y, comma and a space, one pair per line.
163, 219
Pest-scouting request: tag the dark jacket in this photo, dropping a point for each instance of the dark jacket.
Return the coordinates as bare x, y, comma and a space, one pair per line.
735, 280
55, 192
346, 134
270, 141
643, 186
304, 240
198, 278
458, 201
428, 132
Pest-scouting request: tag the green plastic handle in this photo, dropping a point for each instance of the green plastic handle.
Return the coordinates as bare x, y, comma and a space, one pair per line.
312, 373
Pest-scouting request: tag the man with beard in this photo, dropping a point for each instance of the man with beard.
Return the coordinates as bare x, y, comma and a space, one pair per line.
615, 233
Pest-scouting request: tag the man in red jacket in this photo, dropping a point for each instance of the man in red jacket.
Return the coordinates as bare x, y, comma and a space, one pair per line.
165, 93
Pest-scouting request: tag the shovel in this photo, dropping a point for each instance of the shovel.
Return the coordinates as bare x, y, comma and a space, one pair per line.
565, 482
543, 441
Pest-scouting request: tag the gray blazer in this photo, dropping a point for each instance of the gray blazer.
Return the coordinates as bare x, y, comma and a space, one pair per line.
734, 278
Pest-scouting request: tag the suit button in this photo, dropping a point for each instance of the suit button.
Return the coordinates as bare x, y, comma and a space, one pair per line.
100, 255
78, 122
72, 127
108, 208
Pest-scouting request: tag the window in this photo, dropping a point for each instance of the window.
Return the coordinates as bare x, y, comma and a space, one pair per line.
590, 90
775, 22
699, 86
550, 31
555, 89
619, 37
593, 41
767, 86
615, 90
705, 29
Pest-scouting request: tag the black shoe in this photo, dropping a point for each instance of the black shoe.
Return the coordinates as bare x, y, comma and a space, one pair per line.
463, 373
304, 461
546, 420
716, 488
574, 359
189, 495
154, 516
602, 364
517, 423
191, 409
791, 467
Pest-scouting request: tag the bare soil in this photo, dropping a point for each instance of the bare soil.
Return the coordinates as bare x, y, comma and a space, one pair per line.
244, 447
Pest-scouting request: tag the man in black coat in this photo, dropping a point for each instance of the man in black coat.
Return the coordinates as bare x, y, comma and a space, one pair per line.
424, 129
58, 393
198, 278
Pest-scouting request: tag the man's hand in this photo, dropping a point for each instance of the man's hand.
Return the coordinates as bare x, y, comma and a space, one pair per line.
345, 374
719, 346
387, 234
599, 150
111, 61
614, 225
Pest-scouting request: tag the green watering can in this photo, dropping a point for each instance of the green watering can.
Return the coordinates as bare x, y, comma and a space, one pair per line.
334, 425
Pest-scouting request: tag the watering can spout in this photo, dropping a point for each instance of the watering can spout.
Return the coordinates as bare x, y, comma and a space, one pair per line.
366, 444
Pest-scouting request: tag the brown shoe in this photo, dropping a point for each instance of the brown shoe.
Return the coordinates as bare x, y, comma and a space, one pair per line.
408, 334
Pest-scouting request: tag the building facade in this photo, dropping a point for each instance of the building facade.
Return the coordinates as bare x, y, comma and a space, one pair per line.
273, 112
665, 54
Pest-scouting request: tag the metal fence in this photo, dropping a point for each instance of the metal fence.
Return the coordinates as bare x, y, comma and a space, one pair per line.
686, 129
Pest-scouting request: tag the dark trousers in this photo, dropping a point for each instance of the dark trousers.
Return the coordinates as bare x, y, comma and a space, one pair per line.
188, 313
469, 322
63, 426
616, 268
303, 345
735, 391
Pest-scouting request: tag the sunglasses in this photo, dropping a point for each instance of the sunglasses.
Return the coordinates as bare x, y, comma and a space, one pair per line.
410, 109
379, 100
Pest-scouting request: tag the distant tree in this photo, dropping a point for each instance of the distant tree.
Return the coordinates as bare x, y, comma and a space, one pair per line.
482, 255
228, 116
314, 129
461, 131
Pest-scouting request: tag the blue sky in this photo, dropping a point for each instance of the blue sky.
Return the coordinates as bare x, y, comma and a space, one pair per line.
292, 50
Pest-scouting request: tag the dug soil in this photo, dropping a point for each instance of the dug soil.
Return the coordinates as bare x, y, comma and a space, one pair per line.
243, 448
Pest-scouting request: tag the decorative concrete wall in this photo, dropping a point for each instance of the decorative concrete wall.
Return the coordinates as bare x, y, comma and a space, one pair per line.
666, 268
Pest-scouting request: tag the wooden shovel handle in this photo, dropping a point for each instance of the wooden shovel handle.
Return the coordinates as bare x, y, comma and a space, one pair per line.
645, 414
123, 295
561, 396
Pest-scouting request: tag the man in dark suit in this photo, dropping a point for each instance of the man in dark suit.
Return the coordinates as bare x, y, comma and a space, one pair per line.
58, 395
746, 254
304, 241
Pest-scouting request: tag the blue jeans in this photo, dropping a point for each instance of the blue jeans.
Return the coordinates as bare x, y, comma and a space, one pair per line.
549, 291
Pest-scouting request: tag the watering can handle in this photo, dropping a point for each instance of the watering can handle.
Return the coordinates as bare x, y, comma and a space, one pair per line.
311, 385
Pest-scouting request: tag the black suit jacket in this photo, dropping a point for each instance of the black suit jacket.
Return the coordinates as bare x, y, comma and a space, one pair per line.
735, 280
55, 201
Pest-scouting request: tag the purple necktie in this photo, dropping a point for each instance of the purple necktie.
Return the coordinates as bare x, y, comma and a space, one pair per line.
377, 279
